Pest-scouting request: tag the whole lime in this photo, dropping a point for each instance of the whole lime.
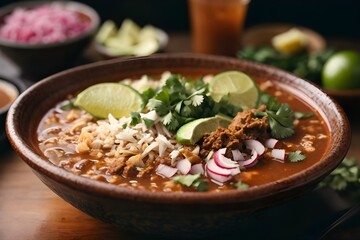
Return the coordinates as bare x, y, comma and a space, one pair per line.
342, 71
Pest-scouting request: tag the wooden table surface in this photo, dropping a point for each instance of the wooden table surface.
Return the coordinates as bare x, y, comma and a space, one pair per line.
29, 210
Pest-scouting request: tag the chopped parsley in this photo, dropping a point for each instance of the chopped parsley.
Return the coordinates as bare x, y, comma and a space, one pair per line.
301, 115
241, 185
304, 65
190, 180
345, 175
182, 100
280, 116
68, 105
296, 156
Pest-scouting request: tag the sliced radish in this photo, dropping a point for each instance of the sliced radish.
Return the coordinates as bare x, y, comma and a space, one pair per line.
278, 154
214, 168
271, 142
222, 151
251, 161
217, 182
223, 161
184, 166
256, 145
197, 168
235, 171
166, 171
217, 177
237, 155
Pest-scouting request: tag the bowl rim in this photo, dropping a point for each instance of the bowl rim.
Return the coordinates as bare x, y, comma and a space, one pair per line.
298, 180
80, 7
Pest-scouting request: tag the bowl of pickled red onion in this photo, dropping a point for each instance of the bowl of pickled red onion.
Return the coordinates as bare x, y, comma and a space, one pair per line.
41, 37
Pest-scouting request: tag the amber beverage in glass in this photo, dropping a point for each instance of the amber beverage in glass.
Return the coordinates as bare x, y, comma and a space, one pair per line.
217, 25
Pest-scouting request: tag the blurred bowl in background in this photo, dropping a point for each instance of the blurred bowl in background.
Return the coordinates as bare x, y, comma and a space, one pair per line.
104, 53
42, 59
261, 35
10, 89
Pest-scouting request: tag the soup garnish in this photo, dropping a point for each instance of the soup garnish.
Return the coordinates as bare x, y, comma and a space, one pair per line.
258, 145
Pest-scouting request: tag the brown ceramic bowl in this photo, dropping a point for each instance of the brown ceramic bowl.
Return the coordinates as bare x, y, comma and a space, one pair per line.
40, 60
173, 214
346, 98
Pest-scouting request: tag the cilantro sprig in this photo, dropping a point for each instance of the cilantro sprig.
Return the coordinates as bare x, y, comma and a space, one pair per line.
181, 100
296, 156
347, 174
190, 180
280, 116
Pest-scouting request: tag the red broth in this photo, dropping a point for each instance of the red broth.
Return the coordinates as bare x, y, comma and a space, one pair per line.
311, 137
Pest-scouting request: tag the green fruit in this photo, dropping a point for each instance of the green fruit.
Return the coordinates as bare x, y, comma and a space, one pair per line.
104, 98
240, 89
342, 71
193, 131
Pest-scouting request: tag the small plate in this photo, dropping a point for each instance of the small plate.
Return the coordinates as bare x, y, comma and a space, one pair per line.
261, 35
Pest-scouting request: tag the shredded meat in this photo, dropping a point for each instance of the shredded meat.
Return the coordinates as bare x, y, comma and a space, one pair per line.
193, 158
117, 165
244, 126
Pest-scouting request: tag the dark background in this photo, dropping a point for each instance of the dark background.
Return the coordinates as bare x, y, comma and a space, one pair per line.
331, 18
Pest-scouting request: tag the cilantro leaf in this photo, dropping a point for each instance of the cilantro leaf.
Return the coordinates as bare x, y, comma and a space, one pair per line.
296, 156
68, 105
201, 185
192, 181
135, 118
301, 115
148, 122
182, 100
241, 185
280, 116
345, 175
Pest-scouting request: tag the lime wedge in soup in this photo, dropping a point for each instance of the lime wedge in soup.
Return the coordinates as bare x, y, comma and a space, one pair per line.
104, 98
240, 89
193, 131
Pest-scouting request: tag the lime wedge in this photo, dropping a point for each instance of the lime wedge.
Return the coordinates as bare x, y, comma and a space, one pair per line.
129, 28
104, 98
193, 131
241, 90
107, 30
148, 32
146, 48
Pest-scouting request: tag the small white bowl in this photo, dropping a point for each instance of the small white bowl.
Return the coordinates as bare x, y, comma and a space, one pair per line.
11, 91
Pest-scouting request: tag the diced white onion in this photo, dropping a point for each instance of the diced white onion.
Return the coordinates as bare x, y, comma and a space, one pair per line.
184, 166
166, 171
197, 168
278, 154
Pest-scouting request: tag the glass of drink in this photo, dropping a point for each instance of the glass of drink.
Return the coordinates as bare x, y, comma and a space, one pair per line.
217, 25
